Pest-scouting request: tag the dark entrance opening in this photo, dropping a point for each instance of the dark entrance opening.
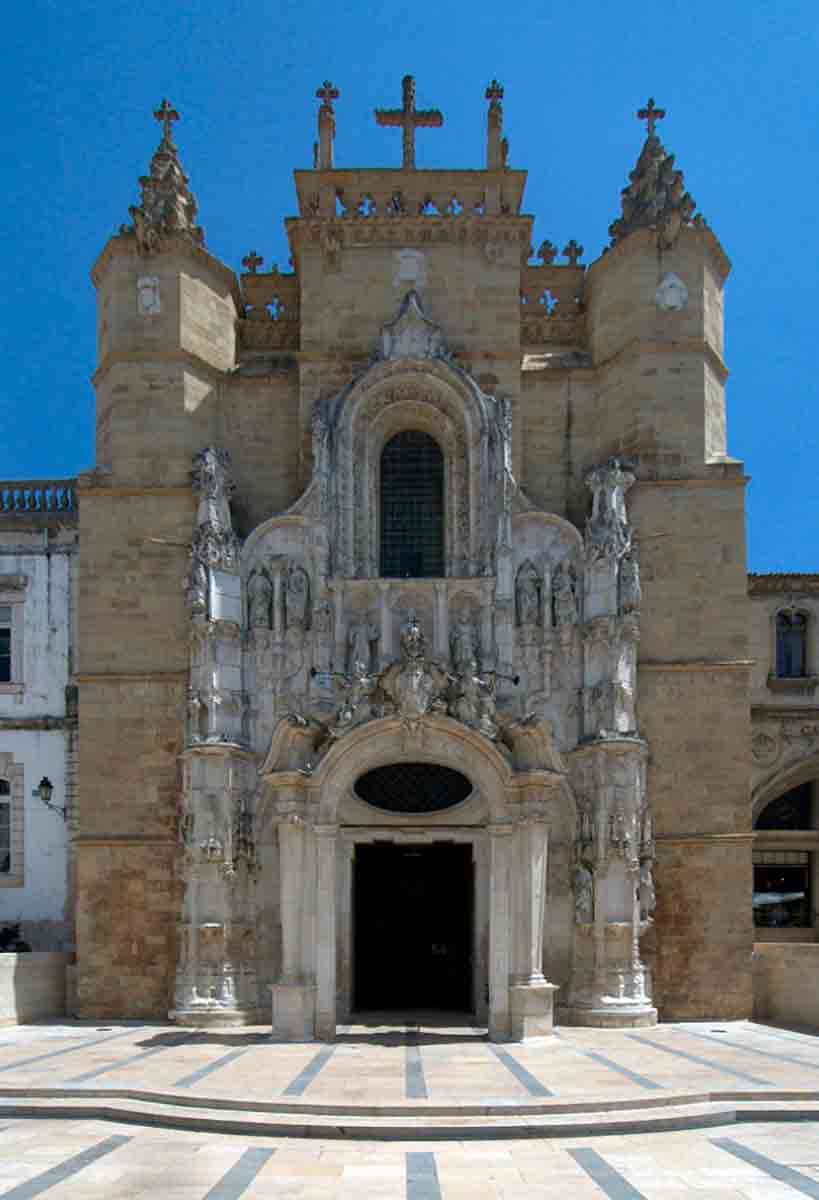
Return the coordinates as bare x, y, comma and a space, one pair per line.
412, 913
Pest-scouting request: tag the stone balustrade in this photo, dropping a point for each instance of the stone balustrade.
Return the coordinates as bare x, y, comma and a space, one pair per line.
43, 496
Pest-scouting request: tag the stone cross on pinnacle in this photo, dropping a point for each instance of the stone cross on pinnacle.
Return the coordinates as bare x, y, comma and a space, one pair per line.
409, 118
327, 94
167, 116
650, 115
494, 92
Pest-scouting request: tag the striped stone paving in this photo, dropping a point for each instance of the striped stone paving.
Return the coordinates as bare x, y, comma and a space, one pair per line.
653, 1113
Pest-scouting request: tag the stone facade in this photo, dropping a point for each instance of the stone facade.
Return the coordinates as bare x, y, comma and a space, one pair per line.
581, 661
38, 711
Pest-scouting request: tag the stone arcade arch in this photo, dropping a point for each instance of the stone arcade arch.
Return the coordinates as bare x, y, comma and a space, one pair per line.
506, 820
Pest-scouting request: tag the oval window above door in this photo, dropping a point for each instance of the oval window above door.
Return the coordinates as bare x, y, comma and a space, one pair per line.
413, 787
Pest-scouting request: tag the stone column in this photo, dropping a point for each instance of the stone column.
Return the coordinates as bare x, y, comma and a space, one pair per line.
325, 925
385, 651
441, 625
294, 995
531, 996
499, 931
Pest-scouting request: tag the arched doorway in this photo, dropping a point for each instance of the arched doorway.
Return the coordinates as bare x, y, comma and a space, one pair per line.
413, 901
785, 863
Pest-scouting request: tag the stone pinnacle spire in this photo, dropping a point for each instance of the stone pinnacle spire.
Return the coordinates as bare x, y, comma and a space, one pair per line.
655, 197
168, 207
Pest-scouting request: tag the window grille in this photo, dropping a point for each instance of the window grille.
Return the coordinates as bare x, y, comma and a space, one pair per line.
5, 643
5, 827
412, 507
409, 787
791, 645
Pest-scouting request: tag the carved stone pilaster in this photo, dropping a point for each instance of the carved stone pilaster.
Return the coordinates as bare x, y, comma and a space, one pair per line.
613, 887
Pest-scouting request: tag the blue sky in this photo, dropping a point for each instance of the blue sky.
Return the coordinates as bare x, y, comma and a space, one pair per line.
737, 77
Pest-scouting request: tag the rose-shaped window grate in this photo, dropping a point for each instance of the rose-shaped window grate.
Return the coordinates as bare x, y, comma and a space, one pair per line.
413, 787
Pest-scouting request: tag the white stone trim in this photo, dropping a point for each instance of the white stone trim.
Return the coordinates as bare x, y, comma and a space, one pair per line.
13, 773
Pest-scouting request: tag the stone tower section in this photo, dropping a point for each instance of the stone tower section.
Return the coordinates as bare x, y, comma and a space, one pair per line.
413, 509
166, 321
654, 323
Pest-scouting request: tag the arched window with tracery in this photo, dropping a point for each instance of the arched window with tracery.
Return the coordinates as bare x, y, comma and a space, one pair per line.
791, 644
412, 506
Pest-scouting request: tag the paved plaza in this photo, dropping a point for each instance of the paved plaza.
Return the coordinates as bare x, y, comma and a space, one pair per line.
427, 1111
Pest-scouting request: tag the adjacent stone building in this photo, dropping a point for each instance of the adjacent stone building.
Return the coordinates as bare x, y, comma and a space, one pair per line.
413, 618
38, 709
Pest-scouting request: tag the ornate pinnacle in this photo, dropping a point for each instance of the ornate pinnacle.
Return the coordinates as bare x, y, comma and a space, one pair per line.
650, 115
168, 206
323, 148
655, 197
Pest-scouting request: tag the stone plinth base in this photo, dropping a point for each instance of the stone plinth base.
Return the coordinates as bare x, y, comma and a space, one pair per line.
531, 1010
294, 1012
626, 1017
209, 1018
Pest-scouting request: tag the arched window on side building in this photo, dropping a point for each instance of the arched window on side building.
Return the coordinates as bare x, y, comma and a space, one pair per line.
791, 644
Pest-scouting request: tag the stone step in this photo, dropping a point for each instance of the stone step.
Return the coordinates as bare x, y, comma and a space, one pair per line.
281, 1120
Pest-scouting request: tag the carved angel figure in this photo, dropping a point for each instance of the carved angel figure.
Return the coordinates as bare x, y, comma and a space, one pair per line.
647, 894
583, 895
565, 602
297, 598
259, 598
462, 641
631, 593
527, 595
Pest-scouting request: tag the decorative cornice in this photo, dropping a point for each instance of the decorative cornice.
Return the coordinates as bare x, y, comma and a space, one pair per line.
122, 839
184, 357
121, 245
132, 677
150, 490
683, 345
696, 664
394, 232
703, 839
774, 583
696, 481
645, 239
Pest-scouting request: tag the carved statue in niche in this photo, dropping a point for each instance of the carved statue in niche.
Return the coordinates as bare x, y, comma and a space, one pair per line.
321, 451
414, 685
583, 895
631, 594
608, 533
463, 642
356, 703
528, 586
259, 599
360, 641
297, 598
565, 601
474, 702
196, 587
647, 894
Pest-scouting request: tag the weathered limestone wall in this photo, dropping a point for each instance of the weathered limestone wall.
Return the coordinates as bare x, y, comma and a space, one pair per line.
786, 983
32, 987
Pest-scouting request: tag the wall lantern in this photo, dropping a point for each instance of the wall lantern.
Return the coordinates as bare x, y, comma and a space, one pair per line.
45, 790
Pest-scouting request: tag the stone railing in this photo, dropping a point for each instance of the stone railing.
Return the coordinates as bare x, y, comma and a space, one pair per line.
551, 305
42, 496
359, 194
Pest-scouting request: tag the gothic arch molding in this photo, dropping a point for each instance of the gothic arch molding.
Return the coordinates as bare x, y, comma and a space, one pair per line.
438, 740
791, 776
433, 397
